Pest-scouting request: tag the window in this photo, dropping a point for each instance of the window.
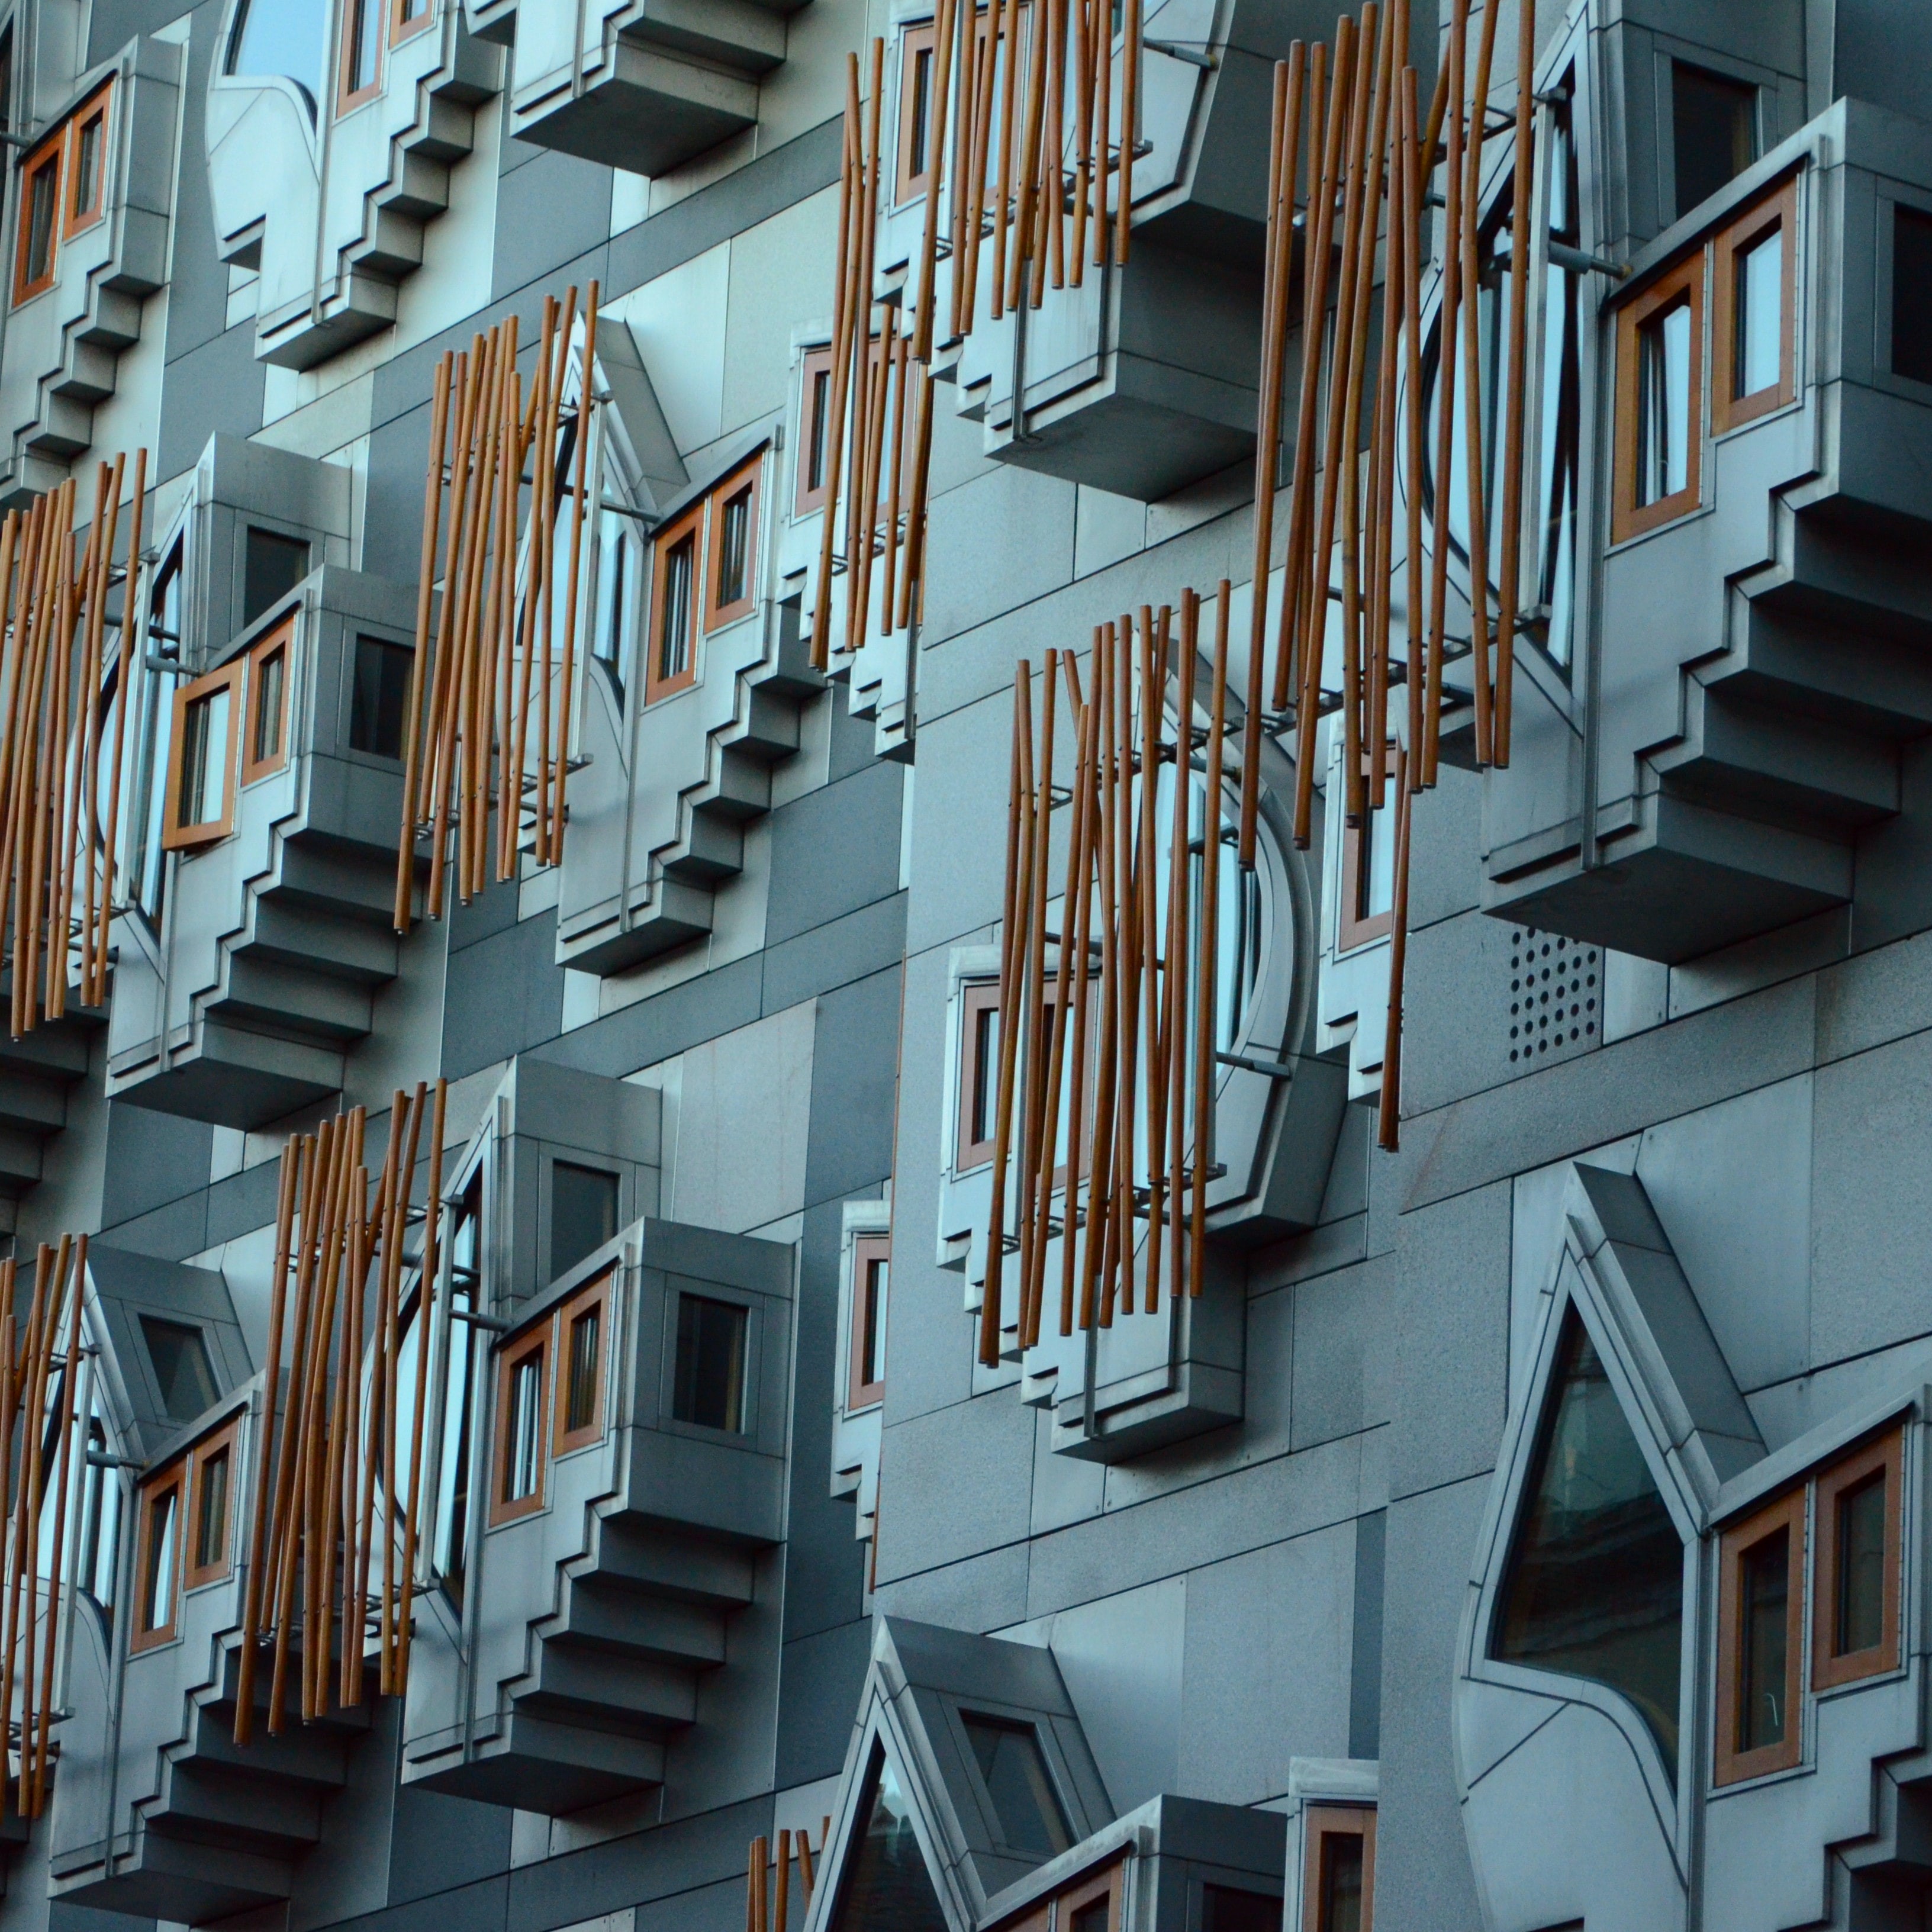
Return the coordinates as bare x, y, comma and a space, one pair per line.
267, 734
522, 1401
1911, 293
871, 1275
585, 1325
272, 565
1560, 415
734, 513
408, 17
201, 788
180, 1357
1224, 1910
583, 1212
673, 659
1595, 1583
1027, 1810
450, 1550
1338, 1871
284, 38
1753, 312
886, 1886
147, 821
1660, 392
87, 163
6, 77
979, 1075
815, 425
361, 53
916, 73
39, 212
379, 696
1760, 1637
1093, 1904
616, 582
710, 1385
1714, 129
157, 1573
1855, 1617
212, 1489
1368, 872
100, 1519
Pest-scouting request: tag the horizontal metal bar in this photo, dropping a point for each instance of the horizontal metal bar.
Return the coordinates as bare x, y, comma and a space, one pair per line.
1275, 1069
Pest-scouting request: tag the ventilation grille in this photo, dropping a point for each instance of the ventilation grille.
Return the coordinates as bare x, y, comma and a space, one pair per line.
1555, 990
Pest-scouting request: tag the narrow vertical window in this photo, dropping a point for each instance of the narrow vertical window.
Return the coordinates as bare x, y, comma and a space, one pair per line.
361, 50
525, 1399
1659, 400
915, 141
90, 133
583, 1212
734, 511
1855, 1625
1911, 293
156, 1560
1714, 128
1760, 285
871, 1280
272, 565
1338, 1869
379, 696
1753, 316
1764, 1592
1664, 446
709, 1388
581, 1408
673, 663
211, 1492
40, 215
814, 429
821, 387
266, 741
1760, 1613
201, 802
978, 1075
450, 1548
523, 1391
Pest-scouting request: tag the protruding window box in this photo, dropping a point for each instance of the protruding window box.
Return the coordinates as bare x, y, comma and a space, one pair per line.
1755, 677
282, 796
628, 1480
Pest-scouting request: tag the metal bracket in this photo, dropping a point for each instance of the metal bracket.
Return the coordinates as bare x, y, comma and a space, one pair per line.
1176, 50
1275, 1069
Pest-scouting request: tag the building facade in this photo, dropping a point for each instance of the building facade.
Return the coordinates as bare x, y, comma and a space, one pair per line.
795, 1129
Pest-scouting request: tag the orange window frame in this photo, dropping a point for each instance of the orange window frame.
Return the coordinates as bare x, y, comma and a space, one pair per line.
1325, 1822
1884, 1458
515, 1354
172, 1483
1089, 1891
1733, 1764
175, 834
867, 1250
376, 14
51, 158
93, 113
1684, 285
279, 641
744, 480
1354, 927
658, 683
977, 998
403, 26
224, 1441
1777, 213
918, 45
813, 410
596, 1294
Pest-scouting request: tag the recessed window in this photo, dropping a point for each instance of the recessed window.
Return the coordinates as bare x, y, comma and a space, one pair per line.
180, 1357
1855, 1627
815, 431
87, 166
585, 1322
709, 1384
522, 1465
1026, 1806
1911, 293
212, 1490
1659, 400
1759, 285
1368, 870
872, 1277
583, 1212
1765, 1591
264, 740
201, 800
379, 700
1714, 123
40, 212
1858, 1617
449, 1548
1224, 1910
979, 1075
673, 655
616, 576
1754, 320
734, 516
361, 50
885, 1886
1759, 1630
1595, 1583
157, 1558
1663, 418
915, 72
272, 565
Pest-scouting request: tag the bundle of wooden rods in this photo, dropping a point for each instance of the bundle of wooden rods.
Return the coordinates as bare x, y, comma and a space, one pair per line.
1109, 1022
1028, 173
39, 1370
768, 1907
484, 657
325, 1447
56, 887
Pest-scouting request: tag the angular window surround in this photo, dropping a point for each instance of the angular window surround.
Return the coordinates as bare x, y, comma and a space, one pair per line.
670, 665
265, 734
1777, 214
979, 1075
583, 1328
87, 135
731, 570
1359, 922
917, 66
361, 50
814, 430
1747, 1707
857, 1415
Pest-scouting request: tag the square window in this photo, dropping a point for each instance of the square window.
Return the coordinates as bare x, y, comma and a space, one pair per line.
708, 1389
978, 1075
1714, 129
1760, 1637
179, 1354
871, 1280
1338, 1873
583, 1212
1911, 293
523, 1401
1855, 1631
272, 565
379, 698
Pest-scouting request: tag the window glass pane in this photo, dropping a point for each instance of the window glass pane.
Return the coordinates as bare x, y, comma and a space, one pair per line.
1377, 884
180, 1356
452, 1482
87, 166
1341, 1907
522, 1468
211, 1527
674, 646
1860, 1620
584, 1359
42, 187
158, 1606
872, 1344
820, 407
204, 781
273, 565
886, 1886
1562, 382
1024, 1799
378, 699
289, 37
150, 762
1224, 1910
984, 1066
1595, 1585
1911, 294
269, 673
1664, 449
1764, 1588
100, 1521
921, 108
583, 1212
710, 1387
1760, 312
365, 43
734, 549
1714, 131
611, 624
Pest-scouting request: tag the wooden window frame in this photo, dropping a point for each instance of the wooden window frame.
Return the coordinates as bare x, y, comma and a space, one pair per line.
542, 1335
805, 498
401, 29
1354, 928
1322, 1822
1684, 283
594, 1294
347, 100
859, 1394
692, 525
976, 996
174, 835
92, 110
227, 1438
172, 1481
747, 477
920, 36
52, 154
1885, 1453
1103, 1884
282, 639
1732, 1766
1777, 211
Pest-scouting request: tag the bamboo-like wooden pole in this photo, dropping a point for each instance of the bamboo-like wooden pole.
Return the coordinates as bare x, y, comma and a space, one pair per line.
1130, 107
433, 481
1025, 186
1181, 866
851, 203
1518, 382
1100, 1145
1002, 208
1102, 84
1472, 381
549, 845
944, 36
1208, 963
897, 480
1411, 302
432, 1209
586, 406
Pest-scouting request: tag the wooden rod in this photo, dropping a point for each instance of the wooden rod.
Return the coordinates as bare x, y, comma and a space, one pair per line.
1181, 866
1075, 926
850, 201
1519, 379
1472, 379
1130, 107
1209, 961
1411, 300
439, 436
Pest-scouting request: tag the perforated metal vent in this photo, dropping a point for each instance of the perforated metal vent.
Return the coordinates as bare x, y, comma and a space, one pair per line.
1555, 993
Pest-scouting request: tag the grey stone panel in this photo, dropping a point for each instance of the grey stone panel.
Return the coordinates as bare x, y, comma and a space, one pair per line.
550, 210
198, 283
243, 1201
479, 1906
987, 1592
1365, 1674
655, 1029
853, 744
834, 850
834, 955
217, 386
439, 1844
993, 1436
852, 1086
964, 757
1026, 521
152, 1160
1342, 1322
172, 1233
504, 995
818, 1689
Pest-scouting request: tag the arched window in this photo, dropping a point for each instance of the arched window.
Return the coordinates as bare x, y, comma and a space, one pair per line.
285, 37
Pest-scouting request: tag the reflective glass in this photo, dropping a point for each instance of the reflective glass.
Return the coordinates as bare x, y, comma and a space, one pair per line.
1663, 452
709, 1388
378, 699
583, 1212
886, 1886
1911, 293
1028, 1807
270, 674
1714, 132
1341, 1883
872, 1353
288, 38
180, 1356
42, 185
522, 1468
585, 1357
1861, 1609
1764, 1587
674, 646
158, 1607
1760, 314
211, 1527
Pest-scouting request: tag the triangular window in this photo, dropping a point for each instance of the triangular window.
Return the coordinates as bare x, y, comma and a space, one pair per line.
887, 1888
1595, 1583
